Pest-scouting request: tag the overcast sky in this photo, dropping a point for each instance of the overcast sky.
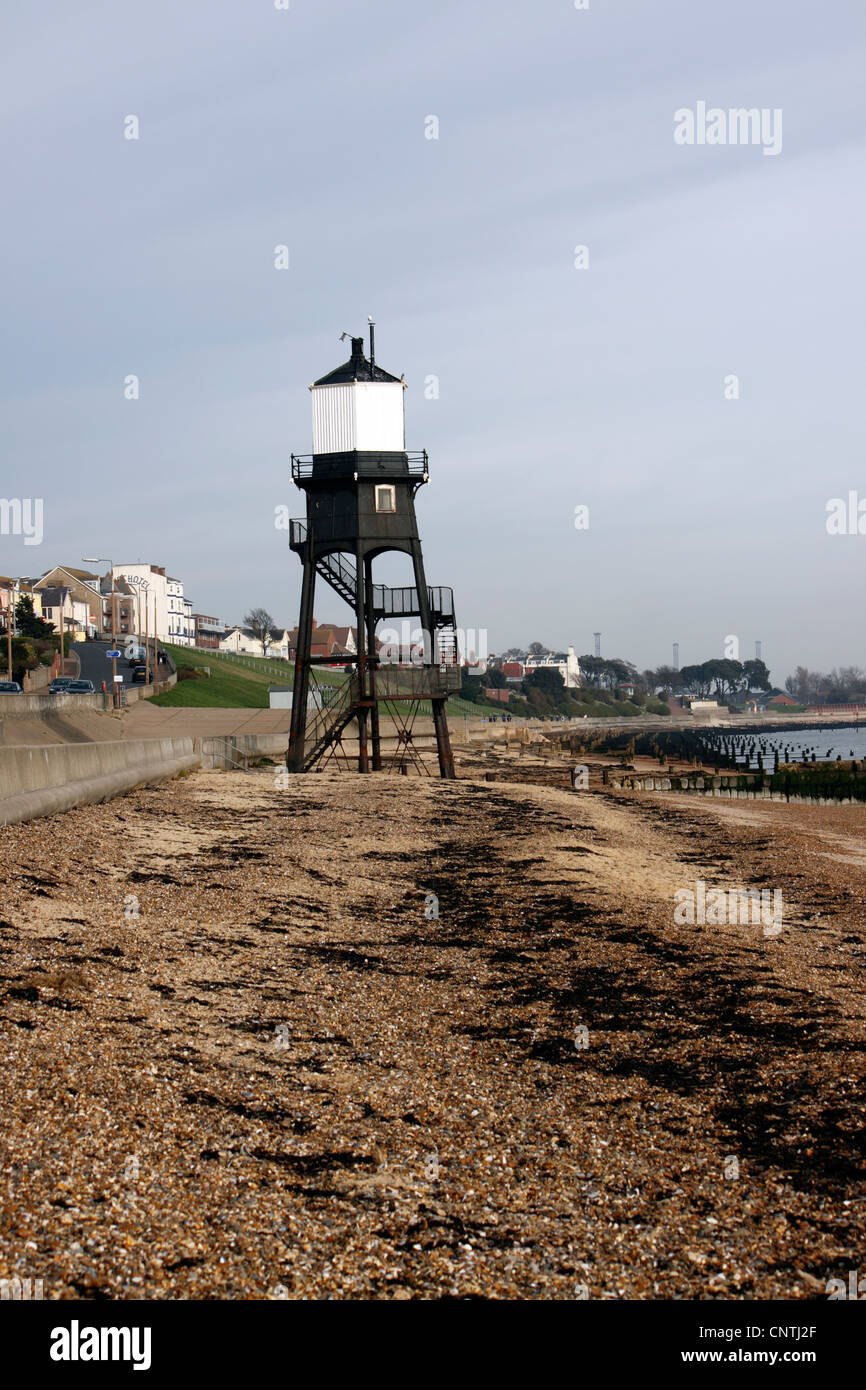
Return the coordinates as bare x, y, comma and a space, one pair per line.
558, 386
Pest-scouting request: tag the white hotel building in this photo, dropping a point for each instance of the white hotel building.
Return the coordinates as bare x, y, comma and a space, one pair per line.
569, 668
162, 595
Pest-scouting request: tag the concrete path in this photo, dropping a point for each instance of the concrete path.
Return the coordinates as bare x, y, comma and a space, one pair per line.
140, 721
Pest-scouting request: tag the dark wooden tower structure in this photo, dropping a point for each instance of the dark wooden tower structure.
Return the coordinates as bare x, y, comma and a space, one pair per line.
360, 484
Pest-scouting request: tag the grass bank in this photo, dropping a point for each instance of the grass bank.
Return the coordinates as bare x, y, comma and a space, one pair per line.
241, 682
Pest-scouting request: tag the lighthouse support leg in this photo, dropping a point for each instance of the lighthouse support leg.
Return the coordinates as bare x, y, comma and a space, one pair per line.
361, 625
372, 663
440, 719
301, 687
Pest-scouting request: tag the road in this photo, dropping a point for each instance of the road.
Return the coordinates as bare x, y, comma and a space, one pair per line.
95, 665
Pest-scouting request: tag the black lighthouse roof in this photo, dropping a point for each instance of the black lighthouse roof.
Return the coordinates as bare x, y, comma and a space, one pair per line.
358, 368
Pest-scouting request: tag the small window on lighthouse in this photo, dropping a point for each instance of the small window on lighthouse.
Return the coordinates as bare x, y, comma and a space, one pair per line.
386, 499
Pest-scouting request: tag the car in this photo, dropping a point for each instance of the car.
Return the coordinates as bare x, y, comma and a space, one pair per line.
10, 688
136, 656
80, 688
59, 684
140, 675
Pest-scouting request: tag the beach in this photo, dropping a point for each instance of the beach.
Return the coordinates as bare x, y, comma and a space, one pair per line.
394, 1037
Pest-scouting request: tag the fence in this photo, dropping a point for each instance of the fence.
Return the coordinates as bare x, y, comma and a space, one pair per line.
264, 665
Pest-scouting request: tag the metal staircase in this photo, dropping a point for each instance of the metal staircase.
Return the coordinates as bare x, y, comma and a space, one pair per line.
339, 570
330, 721
340, 574
339, 706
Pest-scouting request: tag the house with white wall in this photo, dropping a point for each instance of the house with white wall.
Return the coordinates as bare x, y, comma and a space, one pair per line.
569, 668
244, 641
60, 606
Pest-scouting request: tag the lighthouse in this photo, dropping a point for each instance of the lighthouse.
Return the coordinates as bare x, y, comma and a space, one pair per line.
360, 484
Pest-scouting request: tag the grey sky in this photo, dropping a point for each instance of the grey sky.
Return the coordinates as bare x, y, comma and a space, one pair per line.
558, 386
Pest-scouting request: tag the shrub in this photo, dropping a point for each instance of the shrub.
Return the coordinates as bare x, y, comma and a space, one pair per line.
654, 706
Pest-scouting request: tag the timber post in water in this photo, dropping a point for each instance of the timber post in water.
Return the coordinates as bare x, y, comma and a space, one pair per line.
360, 485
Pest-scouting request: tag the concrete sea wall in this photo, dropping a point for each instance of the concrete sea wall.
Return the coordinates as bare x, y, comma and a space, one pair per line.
39, 781
37, 705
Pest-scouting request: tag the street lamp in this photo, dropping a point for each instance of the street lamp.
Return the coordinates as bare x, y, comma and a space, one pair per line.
14, 590
103, 560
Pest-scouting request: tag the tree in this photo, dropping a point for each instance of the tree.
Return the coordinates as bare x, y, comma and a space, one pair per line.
25, 657
727, 675
537, 649
757, 675
697, 679
262, 625
546, 679
495, 679
471, 687
27, 624
607, 673
854, 678
666, 678
804, 685
619, 672
592, 669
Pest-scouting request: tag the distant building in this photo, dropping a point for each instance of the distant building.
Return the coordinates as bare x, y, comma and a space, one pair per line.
855, 708
83, 588
775, 701
568, 666
207, 632
513, 670
120, 608
60, 604
244, 642
159, 596
328, 640
11, 590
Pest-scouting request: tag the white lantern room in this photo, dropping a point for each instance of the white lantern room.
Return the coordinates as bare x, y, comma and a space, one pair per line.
358, 407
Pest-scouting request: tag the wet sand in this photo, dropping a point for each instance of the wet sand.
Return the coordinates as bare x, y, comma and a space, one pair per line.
243, 1058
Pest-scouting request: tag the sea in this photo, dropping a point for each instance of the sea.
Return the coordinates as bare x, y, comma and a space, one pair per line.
840, 740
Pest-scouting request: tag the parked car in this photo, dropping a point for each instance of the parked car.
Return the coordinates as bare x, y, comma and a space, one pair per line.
10, 688
139, 675
59, 684
80, 688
